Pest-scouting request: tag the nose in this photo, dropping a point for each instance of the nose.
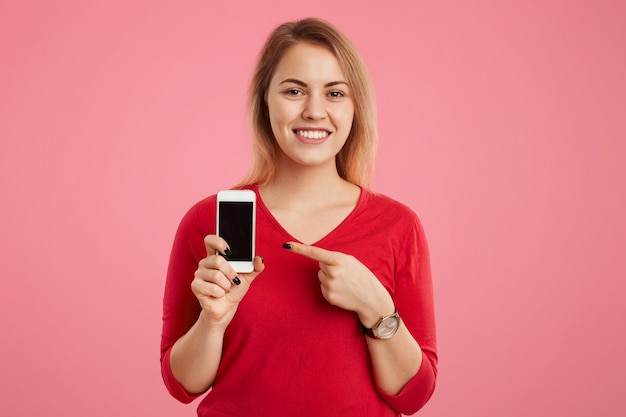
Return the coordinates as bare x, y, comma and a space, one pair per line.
314, 108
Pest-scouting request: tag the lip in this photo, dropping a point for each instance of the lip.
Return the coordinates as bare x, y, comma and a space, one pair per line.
312, 136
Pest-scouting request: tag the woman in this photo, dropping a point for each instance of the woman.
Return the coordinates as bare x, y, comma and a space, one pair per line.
337, 317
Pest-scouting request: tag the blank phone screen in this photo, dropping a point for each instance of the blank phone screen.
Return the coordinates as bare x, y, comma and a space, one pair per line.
236, 228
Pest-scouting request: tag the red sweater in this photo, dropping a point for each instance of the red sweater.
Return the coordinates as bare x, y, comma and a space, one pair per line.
288, 352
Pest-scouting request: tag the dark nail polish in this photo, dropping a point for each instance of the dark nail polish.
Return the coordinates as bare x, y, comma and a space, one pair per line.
227, 252
237, 281
287, 245
262, 259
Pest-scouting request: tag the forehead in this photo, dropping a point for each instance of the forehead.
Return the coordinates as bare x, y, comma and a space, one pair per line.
309, 63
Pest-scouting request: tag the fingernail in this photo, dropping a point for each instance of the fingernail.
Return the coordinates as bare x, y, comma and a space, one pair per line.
237, 281
262, 259
227, 252
287, 245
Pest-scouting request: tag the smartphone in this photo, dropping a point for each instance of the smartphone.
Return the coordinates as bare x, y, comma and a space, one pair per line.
236, 224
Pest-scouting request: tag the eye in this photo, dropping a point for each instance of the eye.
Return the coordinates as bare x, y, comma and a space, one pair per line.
336, 94
293, 92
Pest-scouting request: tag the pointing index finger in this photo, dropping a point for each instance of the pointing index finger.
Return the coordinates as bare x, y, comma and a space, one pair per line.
312, 252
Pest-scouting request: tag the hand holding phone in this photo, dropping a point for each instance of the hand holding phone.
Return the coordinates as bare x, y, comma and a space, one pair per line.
236, 224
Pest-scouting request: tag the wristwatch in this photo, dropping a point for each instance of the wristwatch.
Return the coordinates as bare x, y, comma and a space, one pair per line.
386, 327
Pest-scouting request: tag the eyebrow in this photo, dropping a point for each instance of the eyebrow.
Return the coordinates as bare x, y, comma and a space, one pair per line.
303, 84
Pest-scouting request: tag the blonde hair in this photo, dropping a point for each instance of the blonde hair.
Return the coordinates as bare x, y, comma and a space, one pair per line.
355, 161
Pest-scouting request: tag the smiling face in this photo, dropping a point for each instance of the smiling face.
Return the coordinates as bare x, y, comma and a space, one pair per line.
310, 106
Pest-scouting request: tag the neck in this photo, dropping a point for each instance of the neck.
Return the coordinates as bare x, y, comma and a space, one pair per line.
305, 185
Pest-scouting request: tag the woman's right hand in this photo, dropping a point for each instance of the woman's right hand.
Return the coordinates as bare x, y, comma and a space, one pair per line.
213, 283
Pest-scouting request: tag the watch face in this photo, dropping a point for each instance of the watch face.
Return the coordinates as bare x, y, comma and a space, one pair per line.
388, 327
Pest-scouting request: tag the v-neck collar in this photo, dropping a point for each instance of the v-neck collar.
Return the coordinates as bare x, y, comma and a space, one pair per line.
279, 227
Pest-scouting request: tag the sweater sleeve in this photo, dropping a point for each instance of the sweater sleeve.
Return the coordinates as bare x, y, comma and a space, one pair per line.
413, 296
180, 306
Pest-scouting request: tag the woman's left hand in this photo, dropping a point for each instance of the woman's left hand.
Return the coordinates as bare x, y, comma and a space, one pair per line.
347, 283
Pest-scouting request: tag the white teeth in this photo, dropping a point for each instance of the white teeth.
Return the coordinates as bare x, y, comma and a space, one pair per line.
312, 134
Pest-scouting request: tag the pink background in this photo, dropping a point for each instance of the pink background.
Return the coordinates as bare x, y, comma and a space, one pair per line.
502, 124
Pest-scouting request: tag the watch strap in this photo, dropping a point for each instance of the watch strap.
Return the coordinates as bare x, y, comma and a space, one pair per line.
367, 331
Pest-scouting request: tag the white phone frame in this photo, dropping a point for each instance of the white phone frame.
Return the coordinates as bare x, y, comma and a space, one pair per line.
247, 196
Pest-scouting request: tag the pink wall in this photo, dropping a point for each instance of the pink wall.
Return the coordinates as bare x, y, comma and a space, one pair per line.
502, 125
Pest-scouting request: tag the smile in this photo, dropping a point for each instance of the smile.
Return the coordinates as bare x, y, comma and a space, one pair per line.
312, 134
